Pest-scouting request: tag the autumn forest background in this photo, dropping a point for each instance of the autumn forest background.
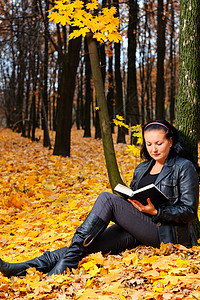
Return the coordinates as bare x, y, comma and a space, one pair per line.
55, 152
137, 73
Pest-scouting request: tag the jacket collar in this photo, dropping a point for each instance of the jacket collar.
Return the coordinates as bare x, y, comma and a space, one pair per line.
170, 161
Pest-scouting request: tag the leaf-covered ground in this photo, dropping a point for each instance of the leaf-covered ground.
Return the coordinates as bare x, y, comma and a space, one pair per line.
43, 200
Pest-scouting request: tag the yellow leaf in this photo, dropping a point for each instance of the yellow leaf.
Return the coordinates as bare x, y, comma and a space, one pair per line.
89, 282
72, 203
134, 149
88, 265
97, 258
181, 263
73, 35
151, 273
114, 288
86, 294
149, 260
93, 271
130, 259
92, 5
119, 117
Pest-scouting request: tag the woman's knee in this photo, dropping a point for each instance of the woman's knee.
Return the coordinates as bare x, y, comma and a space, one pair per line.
104, 196
103, 204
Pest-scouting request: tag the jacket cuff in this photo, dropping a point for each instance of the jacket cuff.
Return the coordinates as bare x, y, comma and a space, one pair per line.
156, 218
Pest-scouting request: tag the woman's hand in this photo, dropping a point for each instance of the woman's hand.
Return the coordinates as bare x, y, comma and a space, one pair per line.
148, 209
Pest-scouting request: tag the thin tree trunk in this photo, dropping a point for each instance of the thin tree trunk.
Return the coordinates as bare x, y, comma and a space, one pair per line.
119, 94
111, 163
88, 93
142, 81
110, 95
132, 106
46, 140
118, 85
102, 56
78, 104
160, 84
172, 67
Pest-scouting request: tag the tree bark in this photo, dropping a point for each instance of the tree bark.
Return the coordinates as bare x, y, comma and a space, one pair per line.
109, 152
102, 59
160, 84
119, 107
110, 94
46, 140
118, 85
132, 106
64, 114
187, 102
88, 93
172, 67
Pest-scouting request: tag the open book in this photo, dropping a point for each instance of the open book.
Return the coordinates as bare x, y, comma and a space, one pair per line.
149, 191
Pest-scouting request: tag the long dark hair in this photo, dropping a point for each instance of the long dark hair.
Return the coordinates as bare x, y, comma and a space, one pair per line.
179, 146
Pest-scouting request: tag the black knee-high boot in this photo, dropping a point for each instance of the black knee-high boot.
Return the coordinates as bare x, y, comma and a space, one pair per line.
44, 263
85, 234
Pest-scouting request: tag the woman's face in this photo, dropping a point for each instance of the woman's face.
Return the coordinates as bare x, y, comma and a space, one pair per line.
158, 146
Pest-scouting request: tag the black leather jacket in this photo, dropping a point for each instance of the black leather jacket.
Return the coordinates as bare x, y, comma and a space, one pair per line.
178, 180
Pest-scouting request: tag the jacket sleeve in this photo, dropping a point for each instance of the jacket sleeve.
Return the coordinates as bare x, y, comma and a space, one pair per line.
185, 210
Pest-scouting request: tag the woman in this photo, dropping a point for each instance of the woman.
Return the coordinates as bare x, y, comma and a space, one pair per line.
167, 167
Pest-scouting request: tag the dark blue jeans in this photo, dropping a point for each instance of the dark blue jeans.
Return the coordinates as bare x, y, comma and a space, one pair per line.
111, 207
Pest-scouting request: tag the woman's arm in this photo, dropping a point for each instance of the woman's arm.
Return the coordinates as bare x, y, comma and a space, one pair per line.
186, 209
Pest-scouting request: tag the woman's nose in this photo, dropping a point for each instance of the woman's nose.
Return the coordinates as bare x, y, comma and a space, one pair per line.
154, 148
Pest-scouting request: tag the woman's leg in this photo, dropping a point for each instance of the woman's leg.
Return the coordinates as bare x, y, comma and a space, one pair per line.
85, 234
43, 263
108, 207
113, 240
112, 207
133, 226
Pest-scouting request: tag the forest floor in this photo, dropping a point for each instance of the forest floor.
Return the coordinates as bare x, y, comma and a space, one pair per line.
43, 200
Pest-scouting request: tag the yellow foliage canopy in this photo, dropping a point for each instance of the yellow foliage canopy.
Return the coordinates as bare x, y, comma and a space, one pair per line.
104, 25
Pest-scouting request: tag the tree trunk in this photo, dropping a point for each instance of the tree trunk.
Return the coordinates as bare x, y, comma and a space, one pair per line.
110, 95
109, 152
64, 114
97, 125
172, 67
33, 117
142, 80
187, 102
149, 63
119, 95
78, 104
160, 85
102, 59
46, 140
118, 85
80, 98
88, 93
132, 106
